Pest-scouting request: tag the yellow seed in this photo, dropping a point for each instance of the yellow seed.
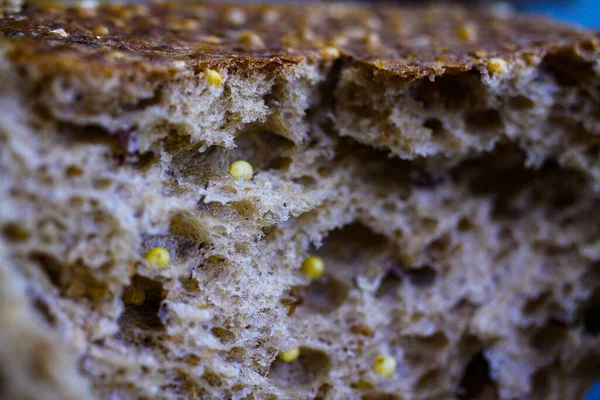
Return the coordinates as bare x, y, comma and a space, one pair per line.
496, 66
480, 53
385, 365
467, 32
60, 32
178, 64
190, 24
330, 52
235, 16
214, 77
290, 355
116, 55
134, 296
241, 169
270, 16
372, 40
252, 40
313, 267
211, 39
100, 30
158, 256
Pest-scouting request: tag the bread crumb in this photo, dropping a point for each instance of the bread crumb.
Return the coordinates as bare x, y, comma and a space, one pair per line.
60, 32
497, 66
467, 32
213, 77
235, 16
241, 170
270, 16
100, 30
252, 40
330, 52
290, 355
134, 296
385, 366
313, 267
158, 256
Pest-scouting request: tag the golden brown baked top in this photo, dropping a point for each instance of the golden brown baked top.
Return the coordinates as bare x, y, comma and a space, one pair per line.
410, 42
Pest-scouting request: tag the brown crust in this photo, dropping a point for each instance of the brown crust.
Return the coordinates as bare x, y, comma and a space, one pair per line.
405, 42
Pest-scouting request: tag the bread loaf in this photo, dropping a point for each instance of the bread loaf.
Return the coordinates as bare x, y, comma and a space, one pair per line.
416, 214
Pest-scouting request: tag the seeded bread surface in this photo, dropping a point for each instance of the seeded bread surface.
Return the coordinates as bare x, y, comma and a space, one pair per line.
442, 162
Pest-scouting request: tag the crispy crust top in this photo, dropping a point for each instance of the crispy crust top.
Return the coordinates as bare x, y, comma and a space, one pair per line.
406, 42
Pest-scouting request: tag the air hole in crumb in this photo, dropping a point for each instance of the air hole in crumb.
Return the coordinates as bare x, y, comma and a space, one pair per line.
349, 241
476, 379
537, 304
15, 233
389, 206
187, 226
312, 366
465, 225
521, 103
430, 381
435, 125
139, 321
73, 171
322, 392
484, 121
381, 396
353, 250
74, 280
566, 69
102, 183
44, 310
591, 316
196, 167
549, 336
421, 277
261, 148
429, 224
245, 208
145, 161
541, 382
441, 244
325, 295
3, 384
224, 335
306, 181
390, 283
216, 265
236, 354
190, 284
425, 180
50, 266
434, 343
280, 164
456, 91
212, 379
324, 172
593, 150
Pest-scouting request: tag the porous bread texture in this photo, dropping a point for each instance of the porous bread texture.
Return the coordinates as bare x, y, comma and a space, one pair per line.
470, 255
547, 104
124, 101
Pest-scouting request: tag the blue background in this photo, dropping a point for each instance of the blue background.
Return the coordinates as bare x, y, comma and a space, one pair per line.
594, 393
583, 12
